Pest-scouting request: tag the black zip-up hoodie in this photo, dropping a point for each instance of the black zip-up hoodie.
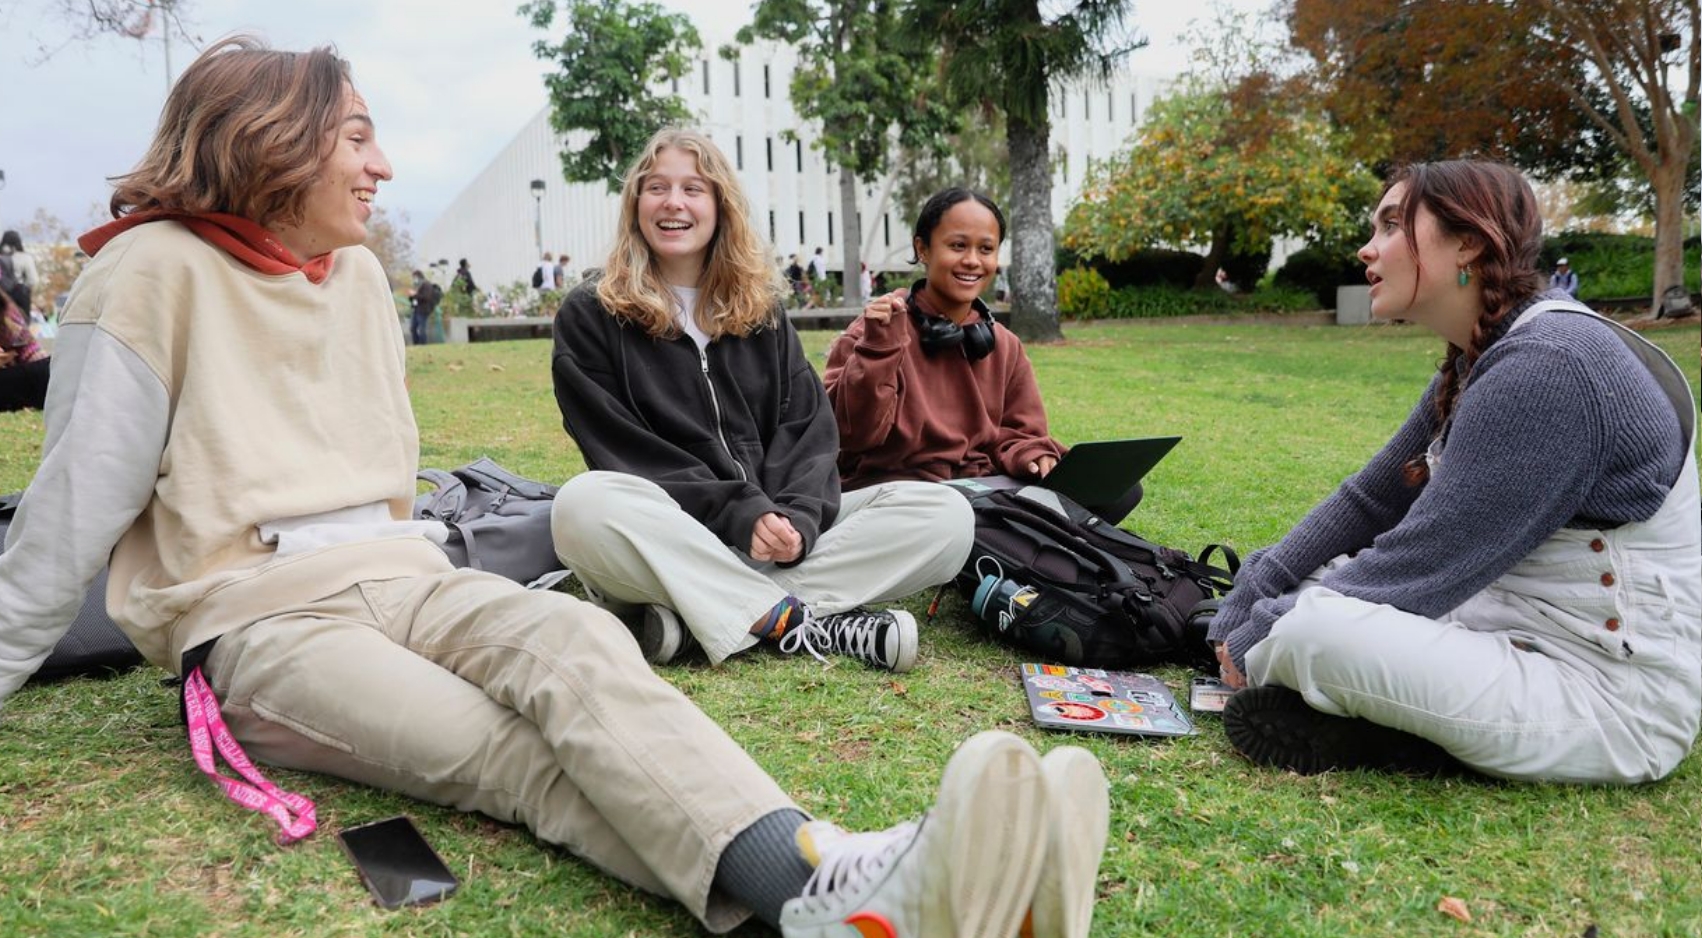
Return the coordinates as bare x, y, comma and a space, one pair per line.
733, 433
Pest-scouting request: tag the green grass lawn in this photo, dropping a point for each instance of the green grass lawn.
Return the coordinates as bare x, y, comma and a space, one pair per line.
107, 828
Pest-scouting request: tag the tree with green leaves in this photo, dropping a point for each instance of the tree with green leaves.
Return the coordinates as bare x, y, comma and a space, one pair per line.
1241, 152
1006, 56
1210, 167
610, 58
865, 81
976, 157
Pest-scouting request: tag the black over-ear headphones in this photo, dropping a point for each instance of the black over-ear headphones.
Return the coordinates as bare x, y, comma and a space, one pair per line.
975, 337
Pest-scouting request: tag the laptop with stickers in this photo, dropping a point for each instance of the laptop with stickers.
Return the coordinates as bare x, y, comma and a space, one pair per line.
1077, 699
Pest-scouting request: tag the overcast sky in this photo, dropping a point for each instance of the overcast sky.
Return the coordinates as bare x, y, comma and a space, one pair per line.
450, 82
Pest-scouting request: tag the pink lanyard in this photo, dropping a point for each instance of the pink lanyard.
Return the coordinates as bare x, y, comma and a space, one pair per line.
294, 813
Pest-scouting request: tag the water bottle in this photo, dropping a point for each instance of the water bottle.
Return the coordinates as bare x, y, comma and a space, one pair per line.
998, 600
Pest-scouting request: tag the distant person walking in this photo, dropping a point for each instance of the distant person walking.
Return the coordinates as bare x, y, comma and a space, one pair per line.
17, 271
464, 279
1564, 278
800, 286
819, 284
422, 301
561, 273
544, 278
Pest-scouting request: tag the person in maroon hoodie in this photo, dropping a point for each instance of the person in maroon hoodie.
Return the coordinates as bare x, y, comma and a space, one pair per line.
925, 385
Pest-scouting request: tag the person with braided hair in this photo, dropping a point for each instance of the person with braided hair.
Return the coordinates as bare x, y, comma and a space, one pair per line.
1511, 584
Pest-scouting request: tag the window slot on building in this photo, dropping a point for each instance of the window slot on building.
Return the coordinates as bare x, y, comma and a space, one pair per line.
830, 229
739, 151
798, 147
800, 230
736, 85
767, 92
705, 76
773, 234
768, 146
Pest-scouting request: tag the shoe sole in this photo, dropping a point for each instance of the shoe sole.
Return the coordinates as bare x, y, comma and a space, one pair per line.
1078, 809
1274, 726
908, 640
658, 642
992, 804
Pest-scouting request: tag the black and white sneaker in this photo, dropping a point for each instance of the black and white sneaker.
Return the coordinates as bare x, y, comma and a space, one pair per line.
662, 637
1274, 726
884, 638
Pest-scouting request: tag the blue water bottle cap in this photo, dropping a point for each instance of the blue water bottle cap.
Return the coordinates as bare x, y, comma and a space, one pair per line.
983, 592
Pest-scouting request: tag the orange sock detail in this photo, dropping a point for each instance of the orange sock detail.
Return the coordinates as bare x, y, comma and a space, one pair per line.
872, 925
773, 624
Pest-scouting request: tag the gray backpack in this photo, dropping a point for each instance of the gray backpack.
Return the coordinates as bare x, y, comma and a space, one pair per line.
498, 522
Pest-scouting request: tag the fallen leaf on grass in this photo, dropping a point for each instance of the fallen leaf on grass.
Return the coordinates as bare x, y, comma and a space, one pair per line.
898, 688
496, 367
1454, 908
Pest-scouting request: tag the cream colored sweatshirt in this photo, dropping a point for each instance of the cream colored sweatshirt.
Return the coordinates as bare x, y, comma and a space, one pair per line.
194, 400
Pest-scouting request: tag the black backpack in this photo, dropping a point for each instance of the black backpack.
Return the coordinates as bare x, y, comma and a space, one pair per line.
538, 279
1056, 581
94, 644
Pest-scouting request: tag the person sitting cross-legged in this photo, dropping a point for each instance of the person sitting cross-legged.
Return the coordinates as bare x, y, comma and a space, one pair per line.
713, 514
1512, 583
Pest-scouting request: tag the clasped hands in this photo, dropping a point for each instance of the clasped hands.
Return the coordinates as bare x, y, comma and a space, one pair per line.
773, 539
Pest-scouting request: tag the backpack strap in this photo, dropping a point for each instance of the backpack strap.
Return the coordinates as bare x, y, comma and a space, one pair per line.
485, 473
445, 503
1122, 577
1219, 578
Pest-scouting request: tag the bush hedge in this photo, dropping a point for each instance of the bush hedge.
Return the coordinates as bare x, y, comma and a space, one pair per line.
1318, 271
1608, 266
1163, 267
1083, 294
1616, 265
1086, 297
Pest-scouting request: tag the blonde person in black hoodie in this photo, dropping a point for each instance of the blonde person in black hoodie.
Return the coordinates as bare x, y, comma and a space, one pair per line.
714, 511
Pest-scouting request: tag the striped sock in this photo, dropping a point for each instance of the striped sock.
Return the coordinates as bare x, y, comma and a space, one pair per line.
773, 625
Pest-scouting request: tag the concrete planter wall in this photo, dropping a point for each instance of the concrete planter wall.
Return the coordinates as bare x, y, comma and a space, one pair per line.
1353, 305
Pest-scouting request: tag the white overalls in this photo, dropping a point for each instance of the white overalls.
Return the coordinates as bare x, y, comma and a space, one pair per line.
1583, 663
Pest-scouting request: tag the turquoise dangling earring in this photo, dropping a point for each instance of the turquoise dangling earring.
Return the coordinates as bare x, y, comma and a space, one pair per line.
1465, 275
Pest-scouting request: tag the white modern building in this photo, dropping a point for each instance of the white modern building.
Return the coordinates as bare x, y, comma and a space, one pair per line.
744, 106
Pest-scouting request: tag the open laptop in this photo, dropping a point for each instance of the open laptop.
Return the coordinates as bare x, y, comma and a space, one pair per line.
1102, 473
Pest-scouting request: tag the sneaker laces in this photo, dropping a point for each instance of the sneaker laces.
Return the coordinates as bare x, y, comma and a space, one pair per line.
806, 634
856, 633
851, 861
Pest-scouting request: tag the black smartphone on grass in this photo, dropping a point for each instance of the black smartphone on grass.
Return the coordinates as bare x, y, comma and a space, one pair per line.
396, 863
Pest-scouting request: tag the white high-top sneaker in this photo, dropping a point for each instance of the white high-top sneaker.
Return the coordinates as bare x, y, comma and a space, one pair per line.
1078, 818
967, 869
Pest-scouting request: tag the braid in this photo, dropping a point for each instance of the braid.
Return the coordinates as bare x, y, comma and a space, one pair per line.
1416, 470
